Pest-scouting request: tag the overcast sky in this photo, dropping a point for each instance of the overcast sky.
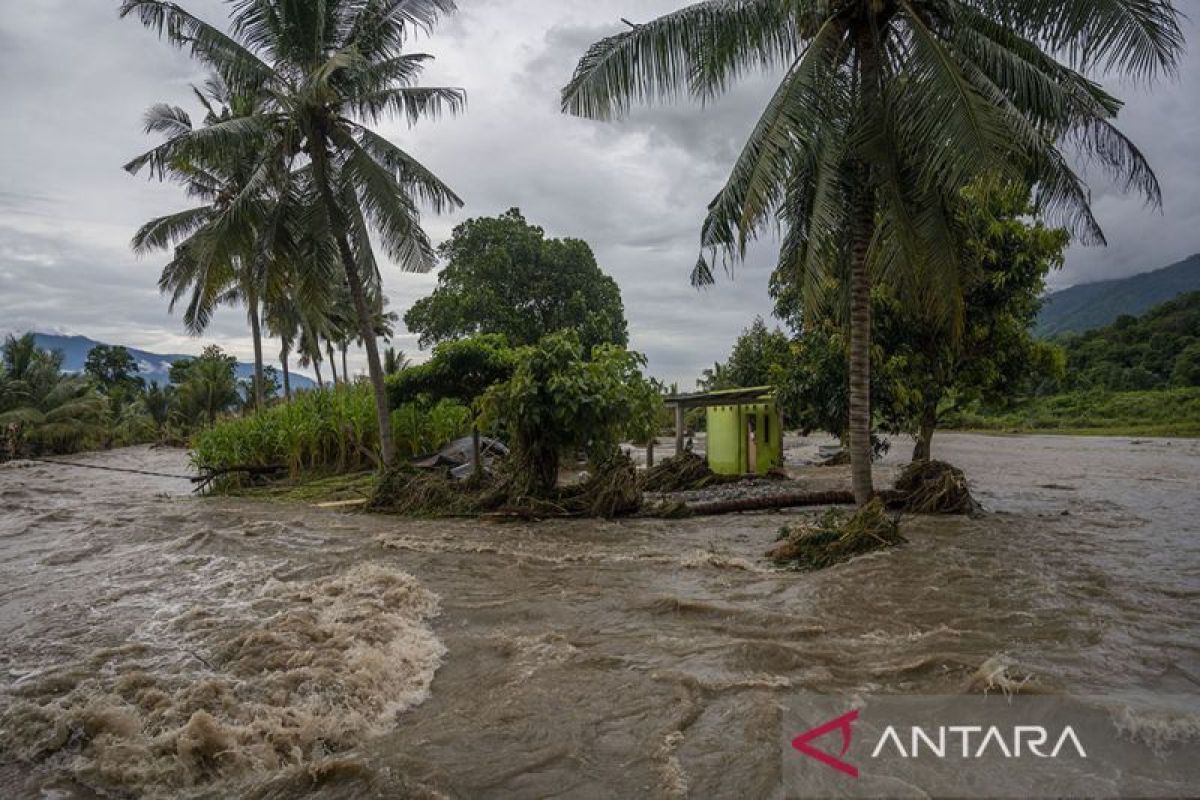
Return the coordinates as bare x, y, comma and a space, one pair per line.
75, 79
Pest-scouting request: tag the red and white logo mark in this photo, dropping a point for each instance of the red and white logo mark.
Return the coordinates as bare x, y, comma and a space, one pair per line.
841, 723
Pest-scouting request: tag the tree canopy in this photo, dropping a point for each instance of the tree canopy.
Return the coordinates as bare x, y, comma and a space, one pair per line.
505, 276
923, 370
1157, 350
557, 401
885, 111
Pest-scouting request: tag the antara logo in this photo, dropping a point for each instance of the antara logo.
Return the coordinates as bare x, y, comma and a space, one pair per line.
841, 723
973, 741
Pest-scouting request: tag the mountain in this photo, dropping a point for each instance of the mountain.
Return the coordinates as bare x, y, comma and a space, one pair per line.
151, 366
1094, 305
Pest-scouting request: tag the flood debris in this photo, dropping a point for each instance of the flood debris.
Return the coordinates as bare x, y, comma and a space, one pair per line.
403, 489
836, 536
680, 473
612, 490
932, 487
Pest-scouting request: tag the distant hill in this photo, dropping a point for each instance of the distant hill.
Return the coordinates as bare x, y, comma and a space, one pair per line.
1094, 305
151, 366
1158, 350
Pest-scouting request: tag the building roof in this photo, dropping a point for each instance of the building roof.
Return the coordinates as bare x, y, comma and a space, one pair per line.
723, 397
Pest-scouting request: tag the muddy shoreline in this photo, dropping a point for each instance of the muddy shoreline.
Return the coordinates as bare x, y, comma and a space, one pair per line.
577, 658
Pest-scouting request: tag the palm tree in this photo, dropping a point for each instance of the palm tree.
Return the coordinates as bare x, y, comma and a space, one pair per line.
225, 247
43, 407
394, 361
324, 70
886, 109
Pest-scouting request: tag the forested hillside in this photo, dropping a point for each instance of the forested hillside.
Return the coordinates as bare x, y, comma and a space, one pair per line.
1094, 305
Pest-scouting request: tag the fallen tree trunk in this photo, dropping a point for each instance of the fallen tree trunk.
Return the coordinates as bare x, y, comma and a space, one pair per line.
833, 497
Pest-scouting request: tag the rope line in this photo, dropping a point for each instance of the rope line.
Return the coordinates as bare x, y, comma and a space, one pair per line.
192, 478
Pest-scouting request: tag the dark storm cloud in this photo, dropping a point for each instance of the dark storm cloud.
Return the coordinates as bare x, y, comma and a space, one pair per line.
77, 79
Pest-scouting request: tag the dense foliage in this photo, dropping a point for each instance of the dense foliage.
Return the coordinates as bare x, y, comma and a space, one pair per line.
559, 402
1159, 350
326, 430
42, 409
504, 276
923, 365
757, 351
1159, 412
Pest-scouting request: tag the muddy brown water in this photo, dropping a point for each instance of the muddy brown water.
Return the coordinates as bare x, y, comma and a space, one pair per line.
157, 644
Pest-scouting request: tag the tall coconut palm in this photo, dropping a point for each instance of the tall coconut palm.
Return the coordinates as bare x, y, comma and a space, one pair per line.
886, 109
224, 247
328, 69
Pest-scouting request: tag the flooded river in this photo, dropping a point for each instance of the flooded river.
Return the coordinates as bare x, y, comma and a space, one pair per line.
157, 644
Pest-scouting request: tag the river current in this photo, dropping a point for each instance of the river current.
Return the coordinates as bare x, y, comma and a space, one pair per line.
153, 643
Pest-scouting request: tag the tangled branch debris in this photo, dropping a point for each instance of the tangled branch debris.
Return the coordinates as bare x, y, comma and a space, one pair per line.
933, 487
405, 490
836, 536
679, 474
611, 491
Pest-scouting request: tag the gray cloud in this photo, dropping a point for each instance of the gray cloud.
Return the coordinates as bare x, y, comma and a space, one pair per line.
636, 189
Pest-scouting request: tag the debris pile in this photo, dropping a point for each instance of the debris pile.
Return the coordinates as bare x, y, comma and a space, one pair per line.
932, 487
836, 536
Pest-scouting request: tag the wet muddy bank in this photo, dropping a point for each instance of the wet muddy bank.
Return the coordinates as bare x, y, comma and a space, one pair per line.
156, 643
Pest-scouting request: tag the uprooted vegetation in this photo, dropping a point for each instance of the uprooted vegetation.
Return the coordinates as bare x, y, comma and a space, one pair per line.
611, 490
836, 536
932, 487
681, 473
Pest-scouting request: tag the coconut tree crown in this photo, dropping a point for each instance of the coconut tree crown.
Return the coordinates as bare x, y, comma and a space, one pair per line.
907, 99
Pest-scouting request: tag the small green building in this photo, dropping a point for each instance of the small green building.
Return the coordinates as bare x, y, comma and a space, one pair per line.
745, 429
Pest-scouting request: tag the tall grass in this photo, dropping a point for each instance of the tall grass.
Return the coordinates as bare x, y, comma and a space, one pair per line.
328, 430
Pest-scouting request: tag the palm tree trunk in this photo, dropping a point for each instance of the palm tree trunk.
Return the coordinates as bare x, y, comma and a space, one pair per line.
345, 369
316, 362
287, 378
332, 361
358, 295
260, 394
860, 347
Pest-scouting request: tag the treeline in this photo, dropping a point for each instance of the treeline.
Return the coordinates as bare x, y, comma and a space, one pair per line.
1158, 350
44, 410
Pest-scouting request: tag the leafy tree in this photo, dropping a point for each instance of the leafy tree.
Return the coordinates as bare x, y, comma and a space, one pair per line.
224, 249
557, 401
886, 110
923, 370
1186, 371
460, 370
270, 390
206, 386
757, 352
157, 401
504, 276
324, 70
112, 366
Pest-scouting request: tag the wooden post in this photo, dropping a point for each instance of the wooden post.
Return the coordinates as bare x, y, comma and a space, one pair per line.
678, 429
650, 453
